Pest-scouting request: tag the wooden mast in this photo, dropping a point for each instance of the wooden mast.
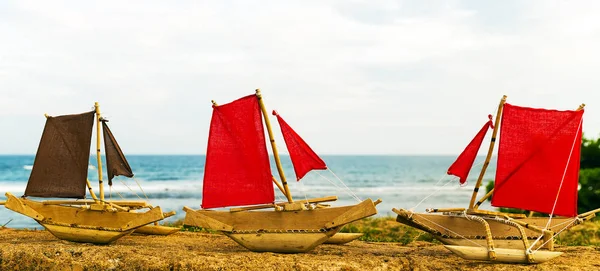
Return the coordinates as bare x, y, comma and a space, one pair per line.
489, 154
97, 107
287, 193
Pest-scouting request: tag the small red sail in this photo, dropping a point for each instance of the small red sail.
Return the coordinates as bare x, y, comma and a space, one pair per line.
538, 149
461, 167
303, 157
237, 170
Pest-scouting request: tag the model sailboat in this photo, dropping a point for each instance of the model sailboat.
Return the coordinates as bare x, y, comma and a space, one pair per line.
60, 170
237, 173
537, 170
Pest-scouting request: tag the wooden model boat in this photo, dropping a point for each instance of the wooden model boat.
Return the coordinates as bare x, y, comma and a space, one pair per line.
60, 170
537, 170
237, 173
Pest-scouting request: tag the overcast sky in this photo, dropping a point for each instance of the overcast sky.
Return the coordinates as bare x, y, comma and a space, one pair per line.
351, 77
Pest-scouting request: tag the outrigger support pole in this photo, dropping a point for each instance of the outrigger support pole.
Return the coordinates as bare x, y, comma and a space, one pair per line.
97, 107
489, 154
287, 193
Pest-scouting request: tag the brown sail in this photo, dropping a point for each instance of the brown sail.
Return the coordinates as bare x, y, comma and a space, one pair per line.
116, 163
61, 162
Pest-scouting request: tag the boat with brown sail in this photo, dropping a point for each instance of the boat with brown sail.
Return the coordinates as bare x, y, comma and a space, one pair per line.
60, 170
537, 171
238, 173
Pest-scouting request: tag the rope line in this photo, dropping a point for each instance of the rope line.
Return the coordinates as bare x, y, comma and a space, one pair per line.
340, 180
439, 188
560, 186
347, 191
140, 186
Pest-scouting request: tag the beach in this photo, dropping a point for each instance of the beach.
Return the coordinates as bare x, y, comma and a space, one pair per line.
39, 250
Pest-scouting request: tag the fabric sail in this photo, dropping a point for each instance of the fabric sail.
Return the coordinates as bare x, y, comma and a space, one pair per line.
116, 163
539, 149
461, 167
303, 157
237, 169
60, 167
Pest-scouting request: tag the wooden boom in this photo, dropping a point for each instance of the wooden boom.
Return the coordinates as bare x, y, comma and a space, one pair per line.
264, 206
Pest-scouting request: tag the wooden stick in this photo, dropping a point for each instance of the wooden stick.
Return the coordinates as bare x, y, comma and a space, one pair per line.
264, 206
484, 212
87, 181
287, 193
482, 200
443, 210
2, 202
97, 107
489, 154
278, 185
589, 213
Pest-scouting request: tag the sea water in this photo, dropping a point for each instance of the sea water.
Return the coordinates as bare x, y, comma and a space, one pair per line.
174, 181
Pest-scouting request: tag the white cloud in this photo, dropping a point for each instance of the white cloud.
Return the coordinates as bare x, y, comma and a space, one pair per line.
350, 76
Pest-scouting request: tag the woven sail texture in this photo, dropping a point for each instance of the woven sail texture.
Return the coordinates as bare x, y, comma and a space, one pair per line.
116, 163
303, 157
61, 162
461, 167
536, 146
237, 170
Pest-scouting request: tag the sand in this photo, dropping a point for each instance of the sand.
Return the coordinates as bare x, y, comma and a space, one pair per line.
39, 250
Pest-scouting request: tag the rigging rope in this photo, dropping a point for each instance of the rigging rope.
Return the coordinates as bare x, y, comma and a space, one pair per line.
131, 190
140, 186
560, 186
340, 188
340, 180
434, 192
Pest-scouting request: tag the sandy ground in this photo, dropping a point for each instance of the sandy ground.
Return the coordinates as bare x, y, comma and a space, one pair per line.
39, 250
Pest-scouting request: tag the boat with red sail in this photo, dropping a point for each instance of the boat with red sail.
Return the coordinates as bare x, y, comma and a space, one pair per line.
537, 171
238, 173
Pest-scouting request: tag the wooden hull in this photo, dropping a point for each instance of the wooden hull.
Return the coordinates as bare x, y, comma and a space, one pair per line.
468, 236
343, 238
502, 254
458, 230
280, 231
84, 235
279, 242
156, 230
83, 224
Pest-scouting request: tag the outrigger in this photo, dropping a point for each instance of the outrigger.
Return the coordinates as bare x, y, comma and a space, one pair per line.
537, 170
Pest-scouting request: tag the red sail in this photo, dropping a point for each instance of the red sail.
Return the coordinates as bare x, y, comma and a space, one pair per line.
538, 150
461, 167
237, 170
303, 157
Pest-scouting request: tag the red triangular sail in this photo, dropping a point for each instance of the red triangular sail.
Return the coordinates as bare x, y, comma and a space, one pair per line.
461, 167
303, 157
539, 149
237, 170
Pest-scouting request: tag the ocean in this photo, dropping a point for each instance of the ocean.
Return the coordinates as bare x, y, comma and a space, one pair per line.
174, 181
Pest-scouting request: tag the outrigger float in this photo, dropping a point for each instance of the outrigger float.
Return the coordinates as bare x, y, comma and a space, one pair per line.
537, 170
237, 173
60, 170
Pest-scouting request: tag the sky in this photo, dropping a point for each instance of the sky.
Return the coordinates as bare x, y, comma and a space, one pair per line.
351, 77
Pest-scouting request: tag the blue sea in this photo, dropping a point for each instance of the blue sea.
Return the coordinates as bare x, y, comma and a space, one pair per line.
174, 181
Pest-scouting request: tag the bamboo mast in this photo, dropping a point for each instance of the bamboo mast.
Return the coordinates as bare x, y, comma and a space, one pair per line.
287, 193
489, 154
97, 107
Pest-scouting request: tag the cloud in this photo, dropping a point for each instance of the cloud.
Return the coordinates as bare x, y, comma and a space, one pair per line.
377, 77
